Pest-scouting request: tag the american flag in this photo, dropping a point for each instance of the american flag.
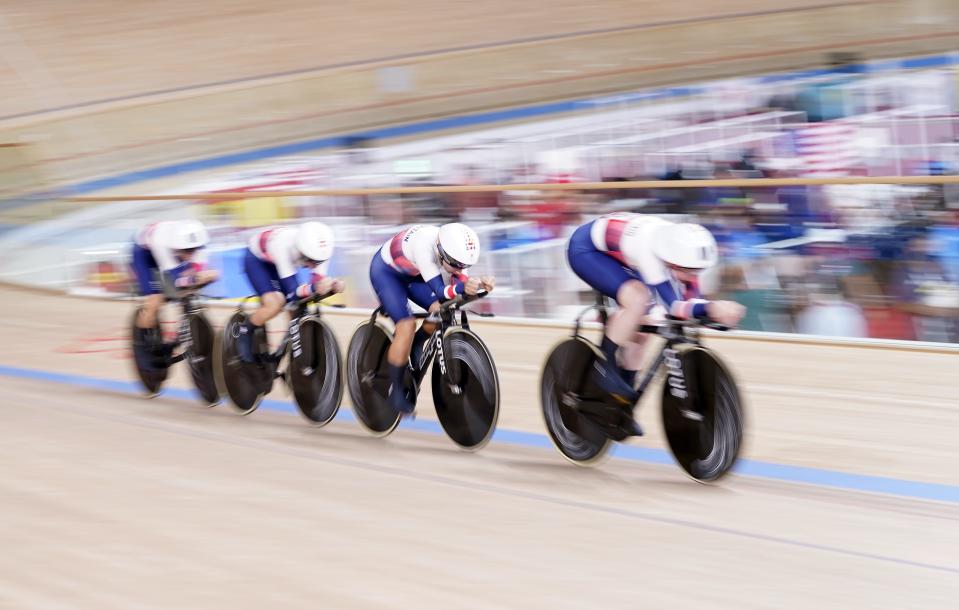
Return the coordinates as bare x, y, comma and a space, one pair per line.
827, 149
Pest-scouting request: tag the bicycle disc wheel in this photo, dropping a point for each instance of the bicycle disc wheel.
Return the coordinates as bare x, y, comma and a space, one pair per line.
702, 414
316, 372
200, 359
468, 405
369, 381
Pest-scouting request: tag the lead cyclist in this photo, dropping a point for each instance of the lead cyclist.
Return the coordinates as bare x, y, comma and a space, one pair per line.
637, 260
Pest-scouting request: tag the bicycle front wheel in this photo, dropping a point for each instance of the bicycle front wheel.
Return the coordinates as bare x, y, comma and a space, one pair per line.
199, 358
702, 413
467, 395
316, 373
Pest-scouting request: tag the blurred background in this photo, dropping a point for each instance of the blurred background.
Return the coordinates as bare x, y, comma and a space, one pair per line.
246, 113
115, 100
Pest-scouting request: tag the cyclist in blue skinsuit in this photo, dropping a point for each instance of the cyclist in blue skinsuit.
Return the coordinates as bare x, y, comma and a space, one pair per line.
638, 260
272, 259
171, 252
425, 264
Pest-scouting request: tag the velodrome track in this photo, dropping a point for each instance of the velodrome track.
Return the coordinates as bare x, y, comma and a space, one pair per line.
848, 495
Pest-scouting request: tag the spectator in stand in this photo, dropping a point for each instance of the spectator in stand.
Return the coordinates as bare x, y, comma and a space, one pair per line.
829, 313
470, 207
944, 242
555, 210
926, 293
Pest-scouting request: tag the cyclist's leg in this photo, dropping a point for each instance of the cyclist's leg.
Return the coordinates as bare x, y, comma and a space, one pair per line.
266, 283
147, 320
146, 270
420, 293
271, 304
390, 287
633, 298
612, 279
149, 349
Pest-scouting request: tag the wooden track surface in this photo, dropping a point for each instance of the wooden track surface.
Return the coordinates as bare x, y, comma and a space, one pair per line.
71, 53
113, 501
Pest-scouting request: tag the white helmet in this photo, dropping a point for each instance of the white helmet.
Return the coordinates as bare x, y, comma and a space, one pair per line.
686, 245
458, 245
314, 240
189, 235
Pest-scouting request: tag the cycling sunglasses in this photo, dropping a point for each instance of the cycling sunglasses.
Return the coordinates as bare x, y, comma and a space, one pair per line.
449, 260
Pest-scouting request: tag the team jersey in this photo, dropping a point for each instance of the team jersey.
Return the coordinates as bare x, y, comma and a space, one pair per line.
609, 233
156, 238
413, 252
277, 246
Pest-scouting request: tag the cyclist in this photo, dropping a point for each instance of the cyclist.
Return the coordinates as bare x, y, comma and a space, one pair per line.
169, 252
638, 259
426, 264
272, 259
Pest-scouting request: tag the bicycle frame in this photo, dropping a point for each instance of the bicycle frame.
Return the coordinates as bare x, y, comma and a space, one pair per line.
188, 305
434, 346
298, 310
188, 302
446, 318
675, 332
292, 337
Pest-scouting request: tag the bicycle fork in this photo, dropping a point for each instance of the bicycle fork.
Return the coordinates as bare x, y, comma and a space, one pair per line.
676, 381
451, 369
437, 347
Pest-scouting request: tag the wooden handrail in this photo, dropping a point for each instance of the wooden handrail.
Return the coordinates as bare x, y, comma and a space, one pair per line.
573, 186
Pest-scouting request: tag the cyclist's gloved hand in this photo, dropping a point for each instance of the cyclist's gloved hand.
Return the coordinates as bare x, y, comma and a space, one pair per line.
727, 313
207, 276
488, 282
185, 281
192, 277
473, 285
329, 285
325, 285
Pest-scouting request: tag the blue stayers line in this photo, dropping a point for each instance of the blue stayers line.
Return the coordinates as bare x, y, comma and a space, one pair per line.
766, 470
